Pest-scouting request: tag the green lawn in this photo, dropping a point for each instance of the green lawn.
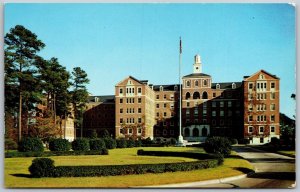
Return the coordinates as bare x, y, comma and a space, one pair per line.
16, 170
291, 153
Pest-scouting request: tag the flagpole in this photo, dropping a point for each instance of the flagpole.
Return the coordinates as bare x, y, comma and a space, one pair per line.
180, 138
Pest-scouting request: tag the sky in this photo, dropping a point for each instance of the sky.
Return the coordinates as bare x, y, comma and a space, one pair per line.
112, 41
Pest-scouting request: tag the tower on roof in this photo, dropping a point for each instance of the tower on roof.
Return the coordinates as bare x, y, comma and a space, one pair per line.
197, 64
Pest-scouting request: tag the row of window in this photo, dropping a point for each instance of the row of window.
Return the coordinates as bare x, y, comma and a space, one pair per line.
261, 85
261, 129
165, 105
164, 114
262, 107
130, 100
164, 132
213, 122
130, 90
196, 83
261, 118
130, 131
131, 110
130, 120
261, 96
165, 96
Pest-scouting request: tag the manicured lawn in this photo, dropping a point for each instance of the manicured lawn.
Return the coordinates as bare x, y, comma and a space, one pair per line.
16, 170
291, 153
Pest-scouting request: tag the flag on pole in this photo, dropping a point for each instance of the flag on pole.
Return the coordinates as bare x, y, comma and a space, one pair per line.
180, 46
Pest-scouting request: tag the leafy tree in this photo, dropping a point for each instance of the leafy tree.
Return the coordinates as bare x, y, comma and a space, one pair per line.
79, 95
21, 46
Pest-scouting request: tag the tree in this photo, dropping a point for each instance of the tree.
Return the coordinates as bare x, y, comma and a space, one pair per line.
21, 46
79, 95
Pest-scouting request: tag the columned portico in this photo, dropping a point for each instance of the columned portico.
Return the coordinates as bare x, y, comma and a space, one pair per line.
196, 132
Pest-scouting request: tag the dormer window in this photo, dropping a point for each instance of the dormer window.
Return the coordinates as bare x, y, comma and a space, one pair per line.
233, 85
175, 88
218, 86
161, 88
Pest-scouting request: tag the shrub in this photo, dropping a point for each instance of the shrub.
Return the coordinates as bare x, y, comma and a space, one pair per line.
147, 141
42, 167
30, 144
110, 143
173, 141
218, 145
59, 145
233, 141
10, 144
93, 134
121, 143
244, 141
138, 143
97, 144
81, 144
130, 143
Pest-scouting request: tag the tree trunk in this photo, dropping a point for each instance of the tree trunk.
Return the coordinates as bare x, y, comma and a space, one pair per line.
65, 125
20, 116
54, 110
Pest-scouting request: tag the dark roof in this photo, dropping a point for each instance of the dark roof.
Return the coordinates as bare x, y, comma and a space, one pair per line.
197, 75
227, 85
102, 98
166, 87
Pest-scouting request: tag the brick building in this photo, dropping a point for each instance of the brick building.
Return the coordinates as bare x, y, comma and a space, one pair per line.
247, 109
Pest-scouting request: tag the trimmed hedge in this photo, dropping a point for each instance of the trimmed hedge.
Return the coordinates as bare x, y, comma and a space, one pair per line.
28, 144
112, 170
59, 145
138, 143
54, 153
10, 144
121, 143
130, 143
81, 144
97, 144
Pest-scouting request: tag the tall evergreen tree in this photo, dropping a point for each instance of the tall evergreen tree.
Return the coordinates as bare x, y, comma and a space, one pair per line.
79, 95
21, 46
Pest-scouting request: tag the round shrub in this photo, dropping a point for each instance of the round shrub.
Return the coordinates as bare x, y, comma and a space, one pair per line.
59, 145
10, 144
42, 167
28, 144
121, 143
110, 143
173, 141
130, 143
81, 145
233, 141
218, 145
97, 144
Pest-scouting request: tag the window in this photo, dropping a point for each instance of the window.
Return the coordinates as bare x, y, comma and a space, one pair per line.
196, 111
272, 95
213, 113
272, 129
233, 85
139, 90
175, 88
157, 96
132, 90
250, 107
214, 94
139, 131
187, 104
250, 118
229, 113
205, 82
161, 88
258, 118
261, 140
157, 114
273, 85
172, 123
218, 86
130, 131
204, 95
221, 103
187, 112
171, 132
121, 120
250, 129
165, 96
196, 83
157, 105
187, 95
121, 90
250, 86
214, 122
165, 114
121, 110
165, 105
172, 96
221, 113
139, 100
229, 104
121, 100
187, 83
139, 120
204, 112
140, 110
172, 106
214, 104
272, 107
261, 129
196, 95
272, 117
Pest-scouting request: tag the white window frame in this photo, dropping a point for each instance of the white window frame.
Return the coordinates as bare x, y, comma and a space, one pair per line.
249, 118
259, 131
249, 129
272, 132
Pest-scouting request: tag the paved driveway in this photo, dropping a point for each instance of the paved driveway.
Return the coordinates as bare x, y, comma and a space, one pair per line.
271, 171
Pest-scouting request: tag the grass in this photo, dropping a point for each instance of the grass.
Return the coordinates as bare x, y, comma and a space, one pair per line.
291, 153
16, 170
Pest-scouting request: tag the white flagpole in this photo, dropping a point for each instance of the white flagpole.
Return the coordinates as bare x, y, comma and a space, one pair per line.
180, 138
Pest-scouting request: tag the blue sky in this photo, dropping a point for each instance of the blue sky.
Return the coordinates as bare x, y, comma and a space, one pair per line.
113, 41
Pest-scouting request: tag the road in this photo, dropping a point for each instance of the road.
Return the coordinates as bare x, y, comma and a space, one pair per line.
271, 171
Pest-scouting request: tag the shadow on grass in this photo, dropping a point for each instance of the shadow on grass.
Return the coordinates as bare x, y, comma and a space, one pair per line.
243, 170
22, 175
275, 175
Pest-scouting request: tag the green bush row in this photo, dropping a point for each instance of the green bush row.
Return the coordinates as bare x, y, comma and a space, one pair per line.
45, 168
54, 153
